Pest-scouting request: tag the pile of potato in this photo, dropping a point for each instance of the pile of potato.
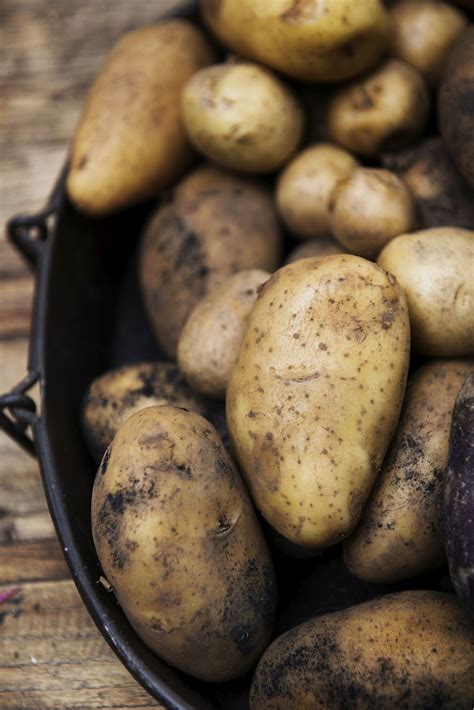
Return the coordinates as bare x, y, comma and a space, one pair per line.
315, 260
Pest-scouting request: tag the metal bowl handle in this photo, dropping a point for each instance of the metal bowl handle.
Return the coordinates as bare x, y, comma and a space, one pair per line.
28, 234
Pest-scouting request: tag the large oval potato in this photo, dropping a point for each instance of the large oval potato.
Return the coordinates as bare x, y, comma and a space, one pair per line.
114, 396
178, 539
328, 40
130, 142
315, 395
435, 269
242, 116
193, 244
210, 341
409, 650
401, 529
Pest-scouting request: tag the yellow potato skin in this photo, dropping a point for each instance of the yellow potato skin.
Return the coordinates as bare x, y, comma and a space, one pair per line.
178, 539
210, 341
401, 530
130, 142
116, 395
316, 393
435, 269
409, 650
319, 246
322, 41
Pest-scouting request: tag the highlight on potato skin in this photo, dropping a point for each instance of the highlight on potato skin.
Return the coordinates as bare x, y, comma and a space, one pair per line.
179, 541
315, 395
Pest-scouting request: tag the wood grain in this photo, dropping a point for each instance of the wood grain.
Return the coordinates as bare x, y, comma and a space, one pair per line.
51, 654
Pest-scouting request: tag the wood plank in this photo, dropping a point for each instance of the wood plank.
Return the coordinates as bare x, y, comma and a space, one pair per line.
52, 656
28, 561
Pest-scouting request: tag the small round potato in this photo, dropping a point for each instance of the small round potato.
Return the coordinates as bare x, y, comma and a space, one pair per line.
422, 34
211, 338
116, 395
209, 177
316, 392
179, 541
401, 530
321, 246
243, 117
369, 208
435, 268
410, 650
442, 196
388, 108
194, 244
456, 104
305, 186
323, 41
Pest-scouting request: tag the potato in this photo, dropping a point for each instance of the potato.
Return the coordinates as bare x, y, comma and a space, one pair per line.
210, 341
130, 142
305, 186
368, 208
242, 117
114, 396
316, 393
320, 246
208, 177
401, 530
409, 650
434, 268
422, 34
387, 108
179, 541
323, 41
459, 496
192, 245
456, 104
442, 196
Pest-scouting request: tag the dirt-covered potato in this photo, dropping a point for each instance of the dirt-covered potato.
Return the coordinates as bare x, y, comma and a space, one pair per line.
242, 116
328, 40
387, 108
113, 397
422, 34
320, 246
410, 650
315, 395
130, 142
179, 541
209, 177
459, 496
434, 268
210, 341
442, 196
368, 208
401, 529
456, 104
193, 244
305, 186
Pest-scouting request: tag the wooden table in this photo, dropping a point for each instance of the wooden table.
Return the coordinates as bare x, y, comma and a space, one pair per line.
51, 654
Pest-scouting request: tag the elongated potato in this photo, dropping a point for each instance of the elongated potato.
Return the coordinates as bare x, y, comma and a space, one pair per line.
315, 395
435, 269
328, 40
178, 539
193, 245
401, 530
210, 341
459, 497
130, 142
409, 650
